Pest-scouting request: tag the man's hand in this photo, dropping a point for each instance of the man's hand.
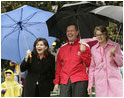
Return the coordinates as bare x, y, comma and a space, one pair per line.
82, 47
56, 88
89, 89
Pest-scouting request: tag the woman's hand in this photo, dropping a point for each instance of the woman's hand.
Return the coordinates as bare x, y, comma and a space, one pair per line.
89, 89
112, 51
28, 55
56, 88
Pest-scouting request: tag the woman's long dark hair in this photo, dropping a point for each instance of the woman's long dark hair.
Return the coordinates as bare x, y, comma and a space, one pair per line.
45, 43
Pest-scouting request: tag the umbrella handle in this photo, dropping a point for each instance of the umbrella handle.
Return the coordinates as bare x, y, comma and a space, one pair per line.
30, 58
119, 30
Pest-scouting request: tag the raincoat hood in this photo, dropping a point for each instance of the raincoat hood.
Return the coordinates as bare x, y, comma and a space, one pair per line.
12, 87
12, 75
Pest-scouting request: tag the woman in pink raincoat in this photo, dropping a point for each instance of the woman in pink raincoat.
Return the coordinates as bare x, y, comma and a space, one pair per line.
104, 69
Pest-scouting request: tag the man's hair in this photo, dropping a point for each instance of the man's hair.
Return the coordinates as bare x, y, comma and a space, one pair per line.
76, 26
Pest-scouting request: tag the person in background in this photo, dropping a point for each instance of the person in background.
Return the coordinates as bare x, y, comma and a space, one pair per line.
73, 59
104, 68
40, 64
10, 88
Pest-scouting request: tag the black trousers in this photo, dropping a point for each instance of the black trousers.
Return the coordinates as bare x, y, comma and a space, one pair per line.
77, 89
37, 91
41, 93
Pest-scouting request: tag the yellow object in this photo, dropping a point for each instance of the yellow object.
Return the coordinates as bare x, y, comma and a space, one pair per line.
13, 88
11, 64
54, 43
16, 69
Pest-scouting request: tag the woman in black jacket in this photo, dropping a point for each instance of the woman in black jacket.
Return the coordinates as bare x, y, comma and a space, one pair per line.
41, 70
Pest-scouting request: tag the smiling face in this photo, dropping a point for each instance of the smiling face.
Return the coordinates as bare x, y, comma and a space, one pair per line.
100, 36
40, 47
71, 33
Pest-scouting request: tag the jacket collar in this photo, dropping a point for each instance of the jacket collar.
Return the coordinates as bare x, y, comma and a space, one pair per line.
44, 56
76, 41
109, 42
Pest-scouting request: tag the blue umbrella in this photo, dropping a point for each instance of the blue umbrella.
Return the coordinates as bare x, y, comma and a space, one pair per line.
19, 30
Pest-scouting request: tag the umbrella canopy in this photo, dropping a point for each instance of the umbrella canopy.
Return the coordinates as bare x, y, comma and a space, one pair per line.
78, 13
113, 12
19, 30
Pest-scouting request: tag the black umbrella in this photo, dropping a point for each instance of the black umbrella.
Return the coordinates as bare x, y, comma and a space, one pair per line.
78, 13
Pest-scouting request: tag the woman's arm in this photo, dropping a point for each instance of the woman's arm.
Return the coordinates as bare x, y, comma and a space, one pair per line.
26, 64
117, 55
52, 67
91, 72
51, 72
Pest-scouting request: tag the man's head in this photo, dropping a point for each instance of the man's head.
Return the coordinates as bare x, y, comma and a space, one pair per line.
72, 32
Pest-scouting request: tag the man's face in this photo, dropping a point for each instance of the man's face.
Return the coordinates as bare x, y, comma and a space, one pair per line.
71, 33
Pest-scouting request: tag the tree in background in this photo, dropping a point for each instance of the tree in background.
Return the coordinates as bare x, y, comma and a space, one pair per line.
44, 5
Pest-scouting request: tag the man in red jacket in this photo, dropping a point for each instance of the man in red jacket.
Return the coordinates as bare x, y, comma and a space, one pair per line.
73, 59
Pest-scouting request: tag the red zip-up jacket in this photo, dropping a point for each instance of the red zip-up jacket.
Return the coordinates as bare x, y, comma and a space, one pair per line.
71, 63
